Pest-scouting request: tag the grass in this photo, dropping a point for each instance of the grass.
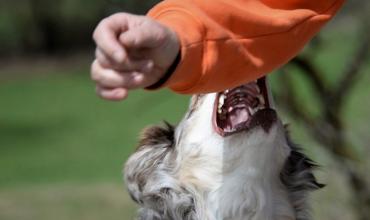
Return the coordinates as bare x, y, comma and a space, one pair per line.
66, 201
54, 129
62, 149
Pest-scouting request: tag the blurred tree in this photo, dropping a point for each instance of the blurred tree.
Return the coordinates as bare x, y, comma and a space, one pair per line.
43, 26
325, 123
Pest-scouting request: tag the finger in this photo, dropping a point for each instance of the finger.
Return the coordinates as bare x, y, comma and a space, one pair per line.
112, 79
105, 76
116, 94
128, 64
134, 80
142, 37
103, 59
140, 54
105, 36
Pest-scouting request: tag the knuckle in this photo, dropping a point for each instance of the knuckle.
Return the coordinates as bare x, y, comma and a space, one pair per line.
105, 21
97, 53
114, 18
92, 68
131, 64
115, 15
97, 29
95, 35
104, 62
105, 79
139, 79
102, 59
101, 25
101, 78
121, 15
127, 81
95, 73
124, 80
95, 76
135, 80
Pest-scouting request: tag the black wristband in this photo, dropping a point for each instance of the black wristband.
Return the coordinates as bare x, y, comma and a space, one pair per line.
168, 74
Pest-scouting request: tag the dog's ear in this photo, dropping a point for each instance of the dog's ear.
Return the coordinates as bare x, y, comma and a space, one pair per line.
155, 143
154, 135
150, 181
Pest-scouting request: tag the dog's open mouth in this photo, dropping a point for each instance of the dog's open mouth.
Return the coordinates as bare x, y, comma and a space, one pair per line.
234, 109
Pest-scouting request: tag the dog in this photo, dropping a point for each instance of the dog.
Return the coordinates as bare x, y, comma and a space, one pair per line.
230, 158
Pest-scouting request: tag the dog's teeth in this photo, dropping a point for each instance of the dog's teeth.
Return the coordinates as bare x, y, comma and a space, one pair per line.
221, 100
251, 110
219, 107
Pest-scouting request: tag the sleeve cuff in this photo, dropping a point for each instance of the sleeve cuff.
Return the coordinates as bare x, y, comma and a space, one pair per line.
167, 75
190, 32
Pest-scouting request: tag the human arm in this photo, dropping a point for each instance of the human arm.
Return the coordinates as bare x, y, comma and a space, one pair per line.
132, 52
223, 43
227, 43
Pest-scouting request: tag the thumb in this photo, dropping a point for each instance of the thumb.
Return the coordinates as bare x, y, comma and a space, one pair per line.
143, 37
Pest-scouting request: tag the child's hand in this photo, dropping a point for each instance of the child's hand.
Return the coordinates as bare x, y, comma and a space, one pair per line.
132, 52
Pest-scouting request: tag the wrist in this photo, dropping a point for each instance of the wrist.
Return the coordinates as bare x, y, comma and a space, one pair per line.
172, 47
167, 74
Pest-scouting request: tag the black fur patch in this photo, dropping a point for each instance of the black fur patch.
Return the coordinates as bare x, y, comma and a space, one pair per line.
297, 175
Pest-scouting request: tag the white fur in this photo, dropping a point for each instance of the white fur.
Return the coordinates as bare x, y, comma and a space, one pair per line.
239, 174
199, 175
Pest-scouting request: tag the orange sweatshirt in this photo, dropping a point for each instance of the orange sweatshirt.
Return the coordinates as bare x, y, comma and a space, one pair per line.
225, 43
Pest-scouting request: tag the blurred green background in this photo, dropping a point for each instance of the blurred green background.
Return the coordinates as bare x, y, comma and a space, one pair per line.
62, 149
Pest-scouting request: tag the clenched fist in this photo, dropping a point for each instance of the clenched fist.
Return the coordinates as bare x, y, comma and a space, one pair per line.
132, 52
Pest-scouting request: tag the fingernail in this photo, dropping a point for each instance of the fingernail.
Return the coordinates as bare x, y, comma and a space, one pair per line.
120, 94
148, 67
118, 56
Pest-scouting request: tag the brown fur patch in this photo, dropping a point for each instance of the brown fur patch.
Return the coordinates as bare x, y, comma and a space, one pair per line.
154, 135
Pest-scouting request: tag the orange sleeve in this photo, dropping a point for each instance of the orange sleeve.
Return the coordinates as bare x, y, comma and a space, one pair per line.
225, 43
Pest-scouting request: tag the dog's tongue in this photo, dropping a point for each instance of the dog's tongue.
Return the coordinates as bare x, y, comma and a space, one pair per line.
237, 116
